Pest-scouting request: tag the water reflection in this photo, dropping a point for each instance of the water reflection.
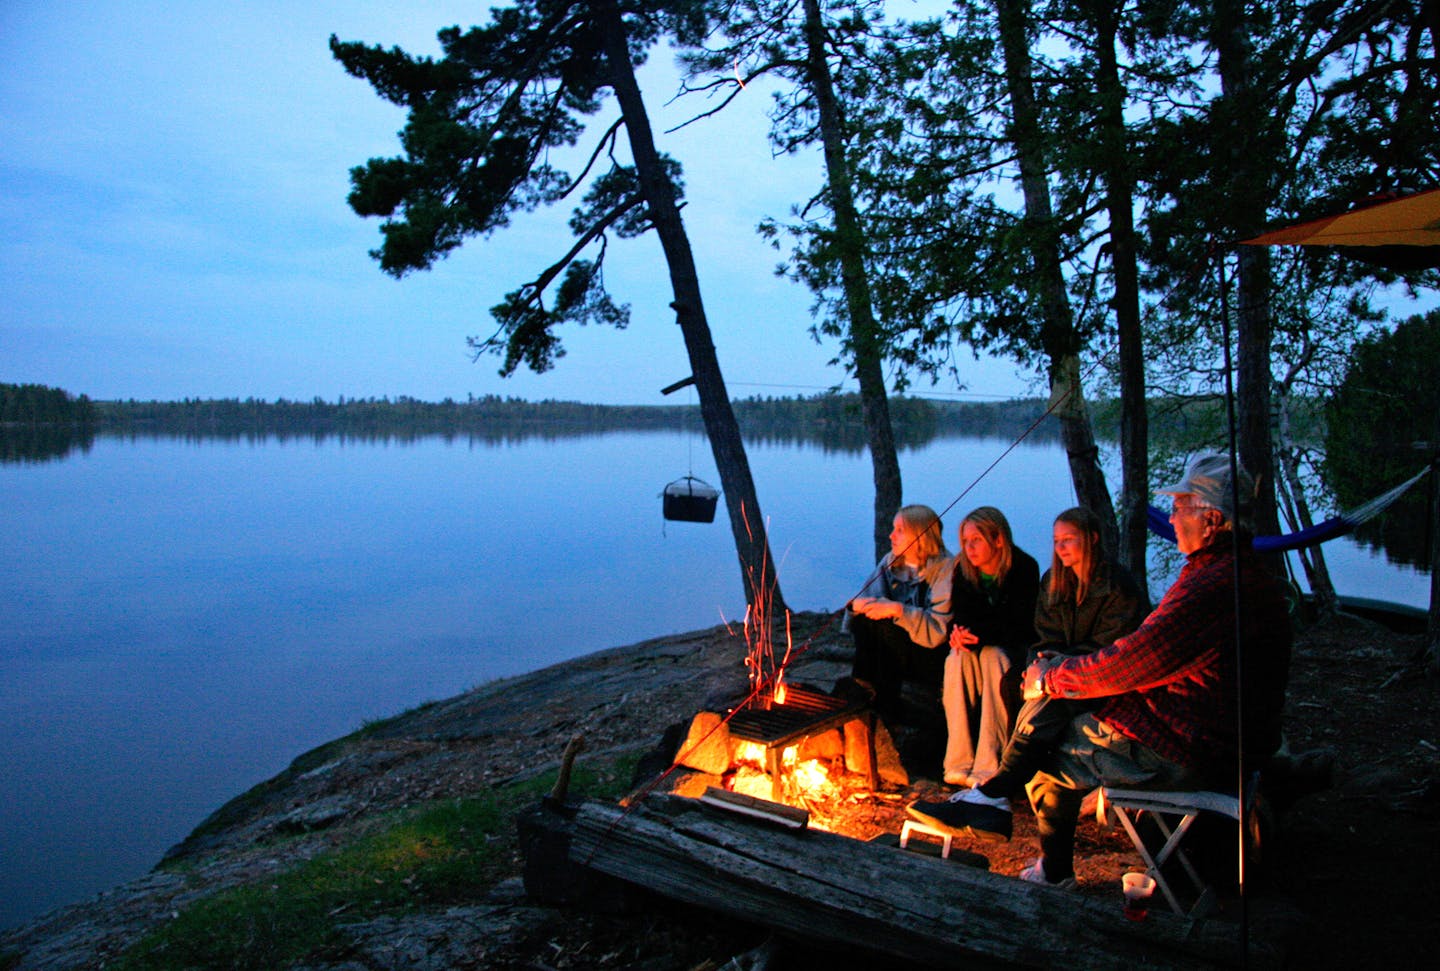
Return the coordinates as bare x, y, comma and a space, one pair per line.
25, 444
1402, 532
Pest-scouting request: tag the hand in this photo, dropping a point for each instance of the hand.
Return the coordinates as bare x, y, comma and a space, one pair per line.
962, 637
1032, 682
889, 609
878, 608
1033, 686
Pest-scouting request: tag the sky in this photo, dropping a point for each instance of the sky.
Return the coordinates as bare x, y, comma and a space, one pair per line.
175, 182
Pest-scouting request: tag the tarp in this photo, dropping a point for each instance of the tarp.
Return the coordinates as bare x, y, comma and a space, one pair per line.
1402, 232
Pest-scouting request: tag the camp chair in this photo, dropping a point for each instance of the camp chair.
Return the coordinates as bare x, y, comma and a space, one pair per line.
1127, 804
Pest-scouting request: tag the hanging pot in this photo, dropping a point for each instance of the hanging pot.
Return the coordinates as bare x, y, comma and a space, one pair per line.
689, 500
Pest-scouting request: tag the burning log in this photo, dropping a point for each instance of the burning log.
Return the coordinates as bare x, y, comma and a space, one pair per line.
771, 812
839, 893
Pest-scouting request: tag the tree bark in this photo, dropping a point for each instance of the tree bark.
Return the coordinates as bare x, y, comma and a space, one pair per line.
1120, 204
757, 567
1061, 342
1248, 174
1432, 628
850, 244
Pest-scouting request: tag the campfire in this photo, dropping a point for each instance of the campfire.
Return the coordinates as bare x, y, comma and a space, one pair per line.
813, 752
784, 745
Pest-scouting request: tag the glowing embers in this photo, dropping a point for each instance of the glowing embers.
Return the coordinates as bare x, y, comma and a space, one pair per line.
814, 752
802, 783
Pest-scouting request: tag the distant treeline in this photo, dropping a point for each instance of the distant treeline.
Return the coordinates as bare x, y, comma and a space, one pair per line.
831, 420
36, 404
834, 417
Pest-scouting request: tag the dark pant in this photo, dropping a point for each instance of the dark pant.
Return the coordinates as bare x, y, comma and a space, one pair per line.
1038, 727
1091, 754
886, 657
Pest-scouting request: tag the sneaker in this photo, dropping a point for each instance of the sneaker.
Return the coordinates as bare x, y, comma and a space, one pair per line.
961, 816
1035, 873
975, 797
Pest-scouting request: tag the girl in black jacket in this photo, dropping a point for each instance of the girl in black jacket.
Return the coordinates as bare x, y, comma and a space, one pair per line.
1086, 602
993, 605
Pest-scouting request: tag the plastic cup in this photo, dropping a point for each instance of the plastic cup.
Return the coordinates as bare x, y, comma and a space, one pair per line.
1138, 889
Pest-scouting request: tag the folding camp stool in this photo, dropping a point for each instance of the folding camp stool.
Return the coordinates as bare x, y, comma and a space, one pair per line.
1188, 805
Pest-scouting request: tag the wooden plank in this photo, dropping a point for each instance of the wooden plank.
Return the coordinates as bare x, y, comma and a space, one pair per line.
773, 812
841, 893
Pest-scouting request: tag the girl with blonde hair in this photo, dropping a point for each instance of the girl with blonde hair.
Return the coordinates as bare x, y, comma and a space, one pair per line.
1087, 602
902, 616
993, 605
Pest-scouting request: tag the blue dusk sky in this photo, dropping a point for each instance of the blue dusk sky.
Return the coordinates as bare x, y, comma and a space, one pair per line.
174, 179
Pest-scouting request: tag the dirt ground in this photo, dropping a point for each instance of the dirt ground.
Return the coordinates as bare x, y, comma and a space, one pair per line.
1346, 876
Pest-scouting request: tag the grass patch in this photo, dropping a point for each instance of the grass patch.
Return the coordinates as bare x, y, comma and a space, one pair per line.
445, 853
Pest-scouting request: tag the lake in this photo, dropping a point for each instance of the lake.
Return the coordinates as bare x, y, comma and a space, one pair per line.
180, 618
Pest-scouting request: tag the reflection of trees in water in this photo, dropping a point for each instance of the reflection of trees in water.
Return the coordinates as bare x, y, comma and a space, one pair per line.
30, 444
1402, 532
831, 422
1377, 422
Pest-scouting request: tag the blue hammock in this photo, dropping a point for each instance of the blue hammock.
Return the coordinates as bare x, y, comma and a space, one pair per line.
1159, 522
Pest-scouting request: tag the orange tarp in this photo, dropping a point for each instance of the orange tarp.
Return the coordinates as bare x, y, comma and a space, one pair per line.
1412, 220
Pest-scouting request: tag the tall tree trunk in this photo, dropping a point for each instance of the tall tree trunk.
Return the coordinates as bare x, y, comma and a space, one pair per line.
1060, 340
746, 522
1432, 628
1248, 171
1120, 203
850, 245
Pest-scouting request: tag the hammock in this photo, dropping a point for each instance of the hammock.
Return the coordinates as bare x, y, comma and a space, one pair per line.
1159, 522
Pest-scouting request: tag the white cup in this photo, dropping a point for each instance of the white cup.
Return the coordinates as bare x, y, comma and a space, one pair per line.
1138, 887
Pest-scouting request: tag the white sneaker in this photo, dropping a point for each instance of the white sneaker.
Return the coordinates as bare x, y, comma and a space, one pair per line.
1035, 873
977, 798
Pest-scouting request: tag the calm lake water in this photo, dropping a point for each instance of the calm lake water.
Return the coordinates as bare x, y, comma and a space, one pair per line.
179, 619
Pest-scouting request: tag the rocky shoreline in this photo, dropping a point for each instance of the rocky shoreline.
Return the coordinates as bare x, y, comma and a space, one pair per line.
621, 700
1358, 860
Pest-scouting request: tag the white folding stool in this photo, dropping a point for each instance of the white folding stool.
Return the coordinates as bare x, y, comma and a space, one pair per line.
1187, 804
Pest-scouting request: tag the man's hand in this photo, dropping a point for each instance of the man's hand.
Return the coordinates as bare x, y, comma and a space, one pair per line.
1032, 682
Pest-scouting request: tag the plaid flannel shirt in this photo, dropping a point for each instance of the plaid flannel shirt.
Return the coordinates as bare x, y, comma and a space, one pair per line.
1171, 683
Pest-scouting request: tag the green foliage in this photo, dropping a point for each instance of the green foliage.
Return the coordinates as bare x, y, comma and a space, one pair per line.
439, 856
483, 121
1387, 402
445, 853
34, 404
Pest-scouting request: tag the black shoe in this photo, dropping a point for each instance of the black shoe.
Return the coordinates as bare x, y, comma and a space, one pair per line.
961, 818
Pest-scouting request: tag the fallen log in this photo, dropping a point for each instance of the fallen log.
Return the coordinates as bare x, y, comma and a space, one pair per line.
839, 893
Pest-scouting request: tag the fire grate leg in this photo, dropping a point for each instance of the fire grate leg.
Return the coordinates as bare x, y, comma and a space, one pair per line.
772, 766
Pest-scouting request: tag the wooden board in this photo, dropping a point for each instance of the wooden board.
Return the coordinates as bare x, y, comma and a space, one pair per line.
845, 894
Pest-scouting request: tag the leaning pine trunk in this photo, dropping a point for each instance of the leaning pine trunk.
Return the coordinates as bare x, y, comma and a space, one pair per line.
746, 522
1252, 162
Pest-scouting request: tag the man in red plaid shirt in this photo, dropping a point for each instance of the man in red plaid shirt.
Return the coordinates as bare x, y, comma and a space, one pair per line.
1170, 721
